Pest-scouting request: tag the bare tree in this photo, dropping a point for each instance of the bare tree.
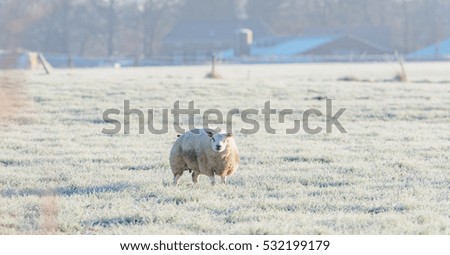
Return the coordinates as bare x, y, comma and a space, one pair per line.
157, 19
111, 27
137, 27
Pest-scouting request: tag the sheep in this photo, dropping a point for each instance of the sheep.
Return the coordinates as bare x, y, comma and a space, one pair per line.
204, 151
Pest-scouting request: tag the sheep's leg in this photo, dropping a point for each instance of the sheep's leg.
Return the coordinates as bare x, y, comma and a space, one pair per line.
213, 180
195, 177
223, 179
176, 178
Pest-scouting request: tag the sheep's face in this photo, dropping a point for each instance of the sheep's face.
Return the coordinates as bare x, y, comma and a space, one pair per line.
219, 141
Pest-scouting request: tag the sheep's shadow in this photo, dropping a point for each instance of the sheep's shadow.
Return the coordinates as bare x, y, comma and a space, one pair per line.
67, 191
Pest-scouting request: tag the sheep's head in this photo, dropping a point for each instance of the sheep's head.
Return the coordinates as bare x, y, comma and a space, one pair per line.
219, 141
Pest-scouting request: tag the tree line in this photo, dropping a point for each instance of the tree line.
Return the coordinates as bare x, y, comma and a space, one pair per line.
137, 27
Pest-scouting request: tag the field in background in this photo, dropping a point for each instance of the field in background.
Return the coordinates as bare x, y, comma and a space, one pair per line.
388, 175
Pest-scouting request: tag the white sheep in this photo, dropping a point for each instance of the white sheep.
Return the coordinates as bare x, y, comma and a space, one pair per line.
204, 151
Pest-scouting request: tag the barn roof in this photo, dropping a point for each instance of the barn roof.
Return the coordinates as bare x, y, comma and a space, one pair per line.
435, 50
293, 46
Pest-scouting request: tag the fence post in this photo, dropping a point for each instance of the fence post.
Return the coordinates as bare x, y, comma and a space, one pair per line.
44, 63
213, 74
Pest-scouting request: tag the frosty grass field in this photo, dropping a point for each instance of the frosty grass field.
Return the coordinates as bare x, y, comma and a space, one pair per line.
389, 175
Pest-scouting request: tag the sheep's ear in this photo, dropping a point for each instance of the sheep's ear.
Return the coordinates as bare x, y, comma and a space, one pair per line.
210, 134
229, 135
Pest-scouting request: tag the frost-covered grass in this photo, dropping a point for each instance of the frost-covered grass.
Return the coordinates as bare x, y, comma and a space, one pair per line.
388, 175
